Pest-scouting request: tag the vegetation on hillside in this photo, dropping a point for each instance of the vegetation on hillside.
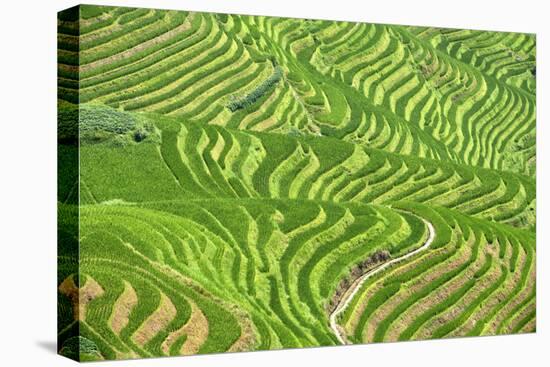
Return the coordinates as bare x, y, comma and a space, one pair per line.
227, 183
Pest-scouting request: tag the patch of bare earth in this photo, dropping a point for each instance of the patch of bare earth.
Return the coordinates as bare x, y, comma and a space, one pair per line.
379, 285
453, 312
493, 326
410, 289
437, 296
247, 339
530, 327
122, 308
156, 322
494, 299
80, 297
196, 330
531, 306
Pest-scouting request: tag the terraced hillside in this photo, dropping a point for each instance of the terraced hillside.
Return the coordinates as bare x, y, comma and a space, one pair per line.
234, 183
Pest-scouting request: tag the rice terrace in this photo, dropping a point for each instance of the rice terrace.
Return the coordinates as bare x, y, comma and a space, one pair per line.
235, 183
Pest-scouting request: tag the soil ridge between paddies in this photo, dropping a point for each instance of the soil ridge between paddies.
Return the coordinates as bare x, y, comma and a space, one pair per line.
356, 285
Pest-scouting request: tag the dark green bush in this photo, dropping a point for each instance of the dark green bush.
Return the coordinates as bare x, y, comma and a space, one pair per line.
96, 118
264, 87
98, 123
140, 135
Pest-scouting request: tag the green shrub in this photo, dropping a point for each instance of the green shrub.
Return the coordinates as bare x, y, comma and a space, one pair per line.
78, 346
257, 93
102, 118
99, 123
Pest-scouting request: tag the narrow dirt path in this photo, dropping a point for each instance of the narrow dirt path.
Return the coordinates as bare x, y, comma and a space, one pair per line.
354, 288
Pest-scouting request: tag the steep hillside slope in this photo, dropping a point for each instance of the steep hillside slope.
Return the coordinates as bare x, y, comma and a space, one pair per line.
231, 183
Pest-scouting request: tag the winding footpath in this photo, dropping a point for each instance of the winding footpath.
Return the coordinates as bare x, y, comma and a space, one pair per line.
352, 291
